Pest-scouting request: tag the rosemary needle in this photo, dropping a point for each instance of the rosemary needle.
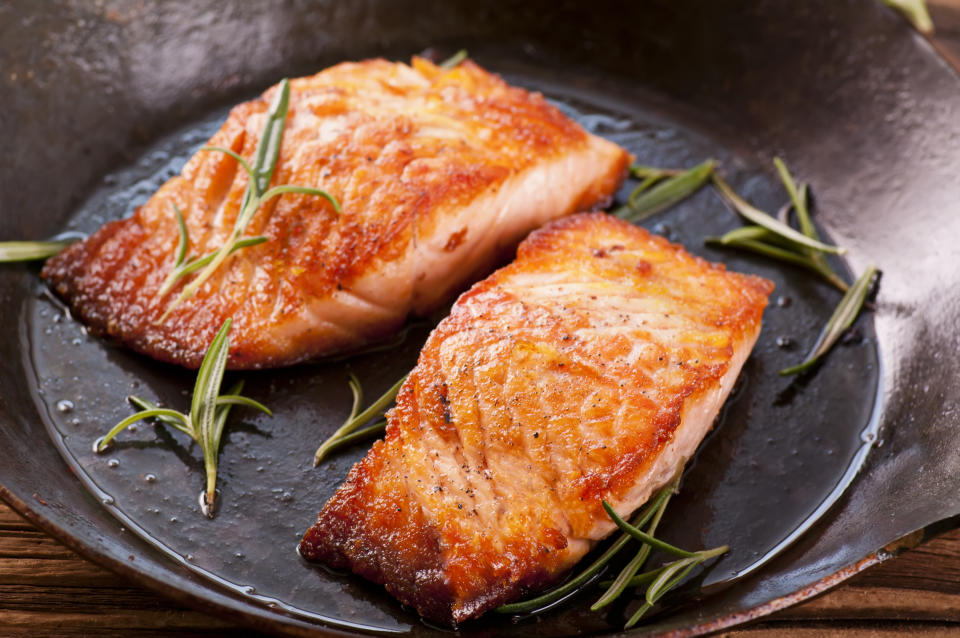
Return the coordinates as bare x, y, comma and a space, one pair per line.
569, 587
638, 534
761, 218
660, 580
454, 60
357, 419
842, 318
208, 412
347, 440
256, 194
13, 251
799, 199
660, 190
615, 588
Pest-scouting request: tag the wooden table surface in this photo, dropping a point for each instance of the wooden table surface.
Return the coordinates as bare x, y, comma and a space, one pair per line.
47, 590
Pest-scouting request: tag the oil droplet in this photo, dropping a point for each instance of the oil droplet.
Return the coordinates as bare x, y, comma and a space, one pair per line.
663, 229
64, 406
784, 342
107, 500
250, 590
783, 301
190, 557
113, 463
96, 446
868, 437
173, 519
150, 478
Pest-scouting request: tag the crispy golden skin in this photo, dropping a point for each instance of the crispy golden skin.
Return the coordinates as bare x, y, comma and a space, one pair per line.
440, 173
587, 369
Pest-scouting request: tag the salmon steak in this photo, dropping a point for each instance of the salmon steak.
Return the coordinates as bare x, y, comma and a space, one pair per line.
589, 369
439, 174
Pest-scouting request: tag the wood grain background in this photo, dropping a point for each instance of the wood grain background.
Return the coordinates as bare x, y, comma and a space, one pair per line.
47, 590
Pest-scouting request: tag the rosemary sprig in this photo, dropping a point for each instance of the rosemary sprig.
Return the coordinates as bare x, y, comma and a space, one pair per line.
760, 218
350, 431
260, 174
183, 266
667, 577
768, 238
663, 578
454, 60
208, 412
799, 201
660, 580
638, 534
569, 587
661, 189
841, 320
14, 251
762, 244
621, 582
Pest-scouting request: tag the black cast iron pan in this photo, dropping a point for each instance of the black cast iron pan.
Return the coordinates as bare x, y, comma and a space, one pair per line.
805, 479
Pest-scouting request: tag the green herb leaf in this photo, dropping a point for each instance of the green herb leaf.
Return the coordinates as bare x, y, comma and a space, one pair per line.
665, 580
454, 60
233, 399
260, 174
373, 431
739, 238
355, 421
101, 444
251, 174
197, 264
640, 171
14, 251
203, 407
915, 11
843, 317
307, 190
183, 241
642, 536
268, 148
208, 412
649, 198
581, 579
143, 404
761, 218
615, 588
660, 580
798, 197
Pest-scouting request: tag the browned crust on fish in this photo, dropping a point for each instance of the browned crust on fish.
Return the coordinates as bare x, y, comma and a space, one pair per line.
399, 146
528, 406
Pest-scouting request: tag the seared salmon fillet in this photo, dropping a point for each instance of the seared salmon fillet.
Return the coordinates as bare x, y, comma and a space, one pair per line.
439, 173
590, 368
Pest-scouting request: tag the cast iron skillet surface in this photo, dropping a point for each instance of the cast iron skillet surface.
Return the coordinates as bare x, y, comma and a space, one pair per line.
103, 102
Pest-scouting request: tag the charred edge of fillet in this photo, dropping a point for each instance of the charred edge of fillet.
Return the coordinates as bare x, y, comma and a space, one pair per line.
383, 539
